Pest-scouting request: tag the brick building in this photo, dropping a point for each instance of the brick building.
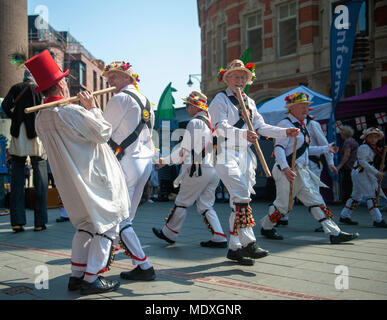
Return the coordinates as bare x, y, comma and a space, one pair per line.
85, 70
290, 44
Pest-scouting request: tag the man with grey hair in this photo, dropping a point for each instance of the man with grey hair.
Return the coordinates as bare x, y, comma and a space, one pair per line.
235, 162
24, 143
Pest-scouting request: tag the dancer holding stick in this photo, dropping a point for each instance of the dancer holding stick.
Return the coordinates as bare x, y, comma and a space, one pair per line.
237, 124
367, 178
294, 178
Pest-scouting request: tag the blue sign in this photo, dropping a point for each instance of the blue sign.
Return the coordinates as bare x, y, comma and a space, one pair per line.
342, 36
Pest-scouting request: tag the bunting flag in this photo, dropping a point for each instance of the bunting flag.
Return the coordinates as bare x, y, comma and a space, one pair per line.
339, 124
361, 123
324, 128
381, 117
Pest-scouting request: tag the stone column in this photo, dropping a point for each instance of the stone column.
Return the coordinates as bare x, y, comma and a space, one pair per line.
13, 37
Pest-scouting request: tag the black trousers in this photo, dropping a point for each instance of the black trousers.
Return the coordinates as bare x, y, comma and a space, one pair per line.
17, 201
346, 184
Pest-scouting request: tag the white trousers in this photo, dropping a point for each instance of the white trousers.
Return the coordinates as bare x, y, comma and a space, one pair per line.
199, 189
237, 172
363, 185
131, 244
92, 252
305, 190
366, 186
137, 172
315, 170
374, 211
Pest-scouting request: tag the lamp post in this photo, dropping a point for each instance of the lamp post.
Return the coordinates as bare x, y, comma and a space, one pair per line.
195, 76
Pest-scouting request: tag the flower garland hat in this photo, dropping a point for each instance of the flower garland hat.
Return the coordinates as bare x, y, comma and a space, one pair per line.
238, 65
298, 97
45, 71
197, 99
372, 130
121, 66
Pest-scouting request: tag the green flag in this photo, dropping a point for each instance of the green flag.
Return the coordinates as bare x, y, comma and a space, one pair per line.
246, 57
165, 109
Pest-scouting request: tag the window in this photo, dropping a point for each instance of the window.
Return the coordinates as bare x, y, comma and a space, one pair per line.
94, 81
82, 73
254, 36
287, 29
223, 46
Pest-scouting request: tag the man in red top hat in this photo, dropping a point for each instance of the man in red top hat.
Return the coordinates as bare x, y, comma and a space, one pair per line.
87, 174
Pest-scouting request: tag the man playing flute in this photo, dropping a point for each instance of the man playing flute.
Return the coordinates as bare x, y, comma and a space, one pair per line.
87, 174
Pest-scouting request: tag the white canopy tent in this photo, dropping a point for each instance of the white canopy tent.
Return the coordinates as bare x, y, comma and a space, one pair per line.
274, 110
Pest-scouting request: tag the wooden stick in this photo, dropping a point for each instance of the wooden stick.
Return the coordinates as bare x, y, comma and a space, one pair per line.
66, 101
250, 126
380, 170
290, 205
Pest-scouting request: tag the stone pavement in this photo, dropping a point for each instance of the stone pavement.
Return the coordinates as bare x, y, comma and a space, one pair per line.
303, 266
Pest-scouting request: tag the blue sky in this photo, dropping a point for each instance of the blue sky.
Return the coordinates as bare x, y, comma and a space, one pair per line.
160, 38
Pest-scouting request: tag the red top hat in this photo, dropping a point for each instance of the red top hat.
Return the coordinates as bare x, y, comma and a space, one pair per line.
45, 71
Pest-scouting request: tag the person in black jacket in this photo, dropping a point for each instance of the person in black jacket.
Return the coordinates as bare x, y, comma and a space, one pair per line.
24, 142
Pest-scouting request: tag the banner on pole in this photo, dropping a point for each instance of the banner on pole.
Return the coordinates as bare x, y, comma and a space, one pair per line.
342, 36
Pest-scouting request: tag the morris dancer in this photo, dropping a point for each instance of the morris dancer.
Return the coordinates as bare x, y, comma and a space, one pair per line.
317, 138
198, 179
87, 174
236, 162
304, 181
365, 177
132, 119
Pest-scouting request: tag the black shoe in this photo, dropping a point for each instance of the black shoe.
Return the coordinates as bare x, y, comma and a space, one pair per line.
17, 229
282, 223
75, 283
236, 255
159, 234
62, 219
319, 229
271, 234
100, 285
343, 237
253, 251
381, 224
213, 244
43, 227
348, 221
139, 274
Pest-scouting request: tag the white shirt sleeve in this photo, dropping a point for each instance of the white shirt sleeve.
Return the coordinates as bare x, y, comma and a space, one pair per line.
180, 151
320, 140
281, 145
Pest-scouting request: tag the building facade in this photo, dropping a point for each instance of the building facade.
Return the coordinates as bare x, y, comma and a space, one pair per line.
85, 70
290, 44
